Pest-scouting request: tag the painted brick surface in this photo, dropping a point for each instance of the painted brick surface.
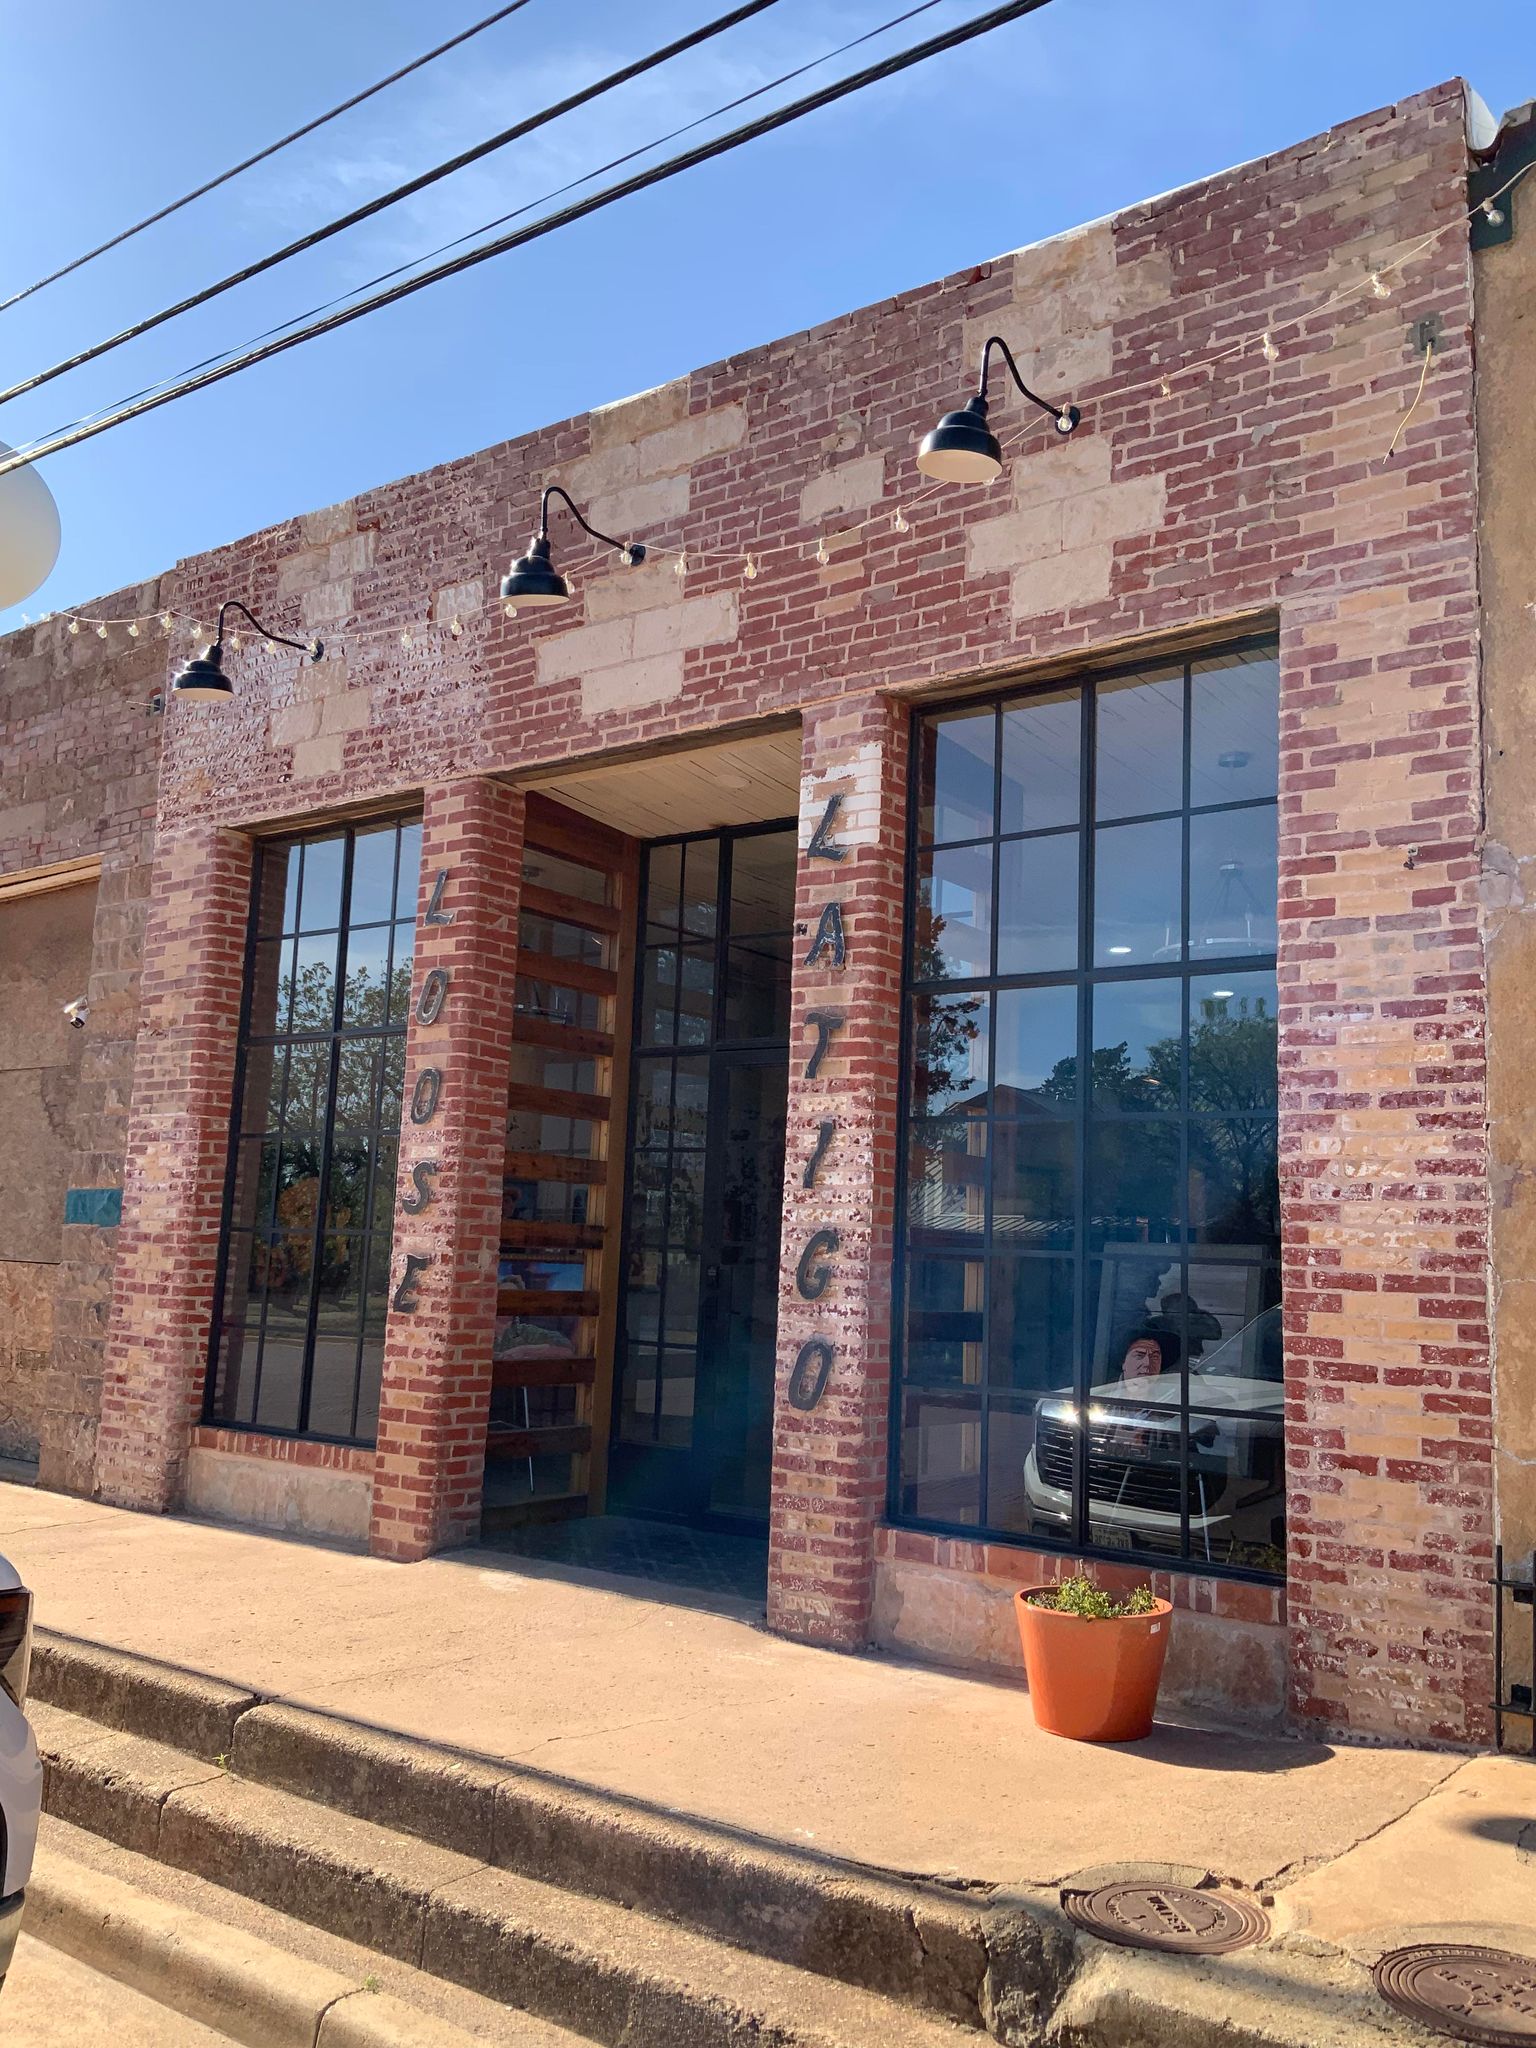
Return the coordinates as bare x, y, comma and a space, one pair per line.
437, 1354
1257, 491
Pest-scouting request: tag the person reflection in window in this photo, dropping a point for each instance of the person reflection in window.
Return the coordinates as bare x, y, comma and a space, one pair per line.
1181, 1312
1149, 1352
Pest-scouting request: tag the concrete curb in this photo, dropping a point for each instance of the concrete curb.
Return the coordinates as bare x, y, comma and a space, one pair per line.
945, 1951
218, 1975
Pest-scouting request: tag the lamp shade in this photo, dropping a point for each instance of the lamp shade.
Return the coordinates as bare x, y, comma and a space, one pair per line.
29, 533
203, 680
533, 578
962, 449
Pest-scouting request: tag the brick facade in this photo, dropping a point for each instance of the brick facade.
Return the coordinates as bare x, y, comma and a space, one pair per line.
1257, 492
437, 1353
834, 1380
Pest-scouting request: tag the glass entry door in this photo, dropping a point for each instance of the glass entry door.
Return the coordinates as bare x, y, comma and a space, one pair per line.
693, 1425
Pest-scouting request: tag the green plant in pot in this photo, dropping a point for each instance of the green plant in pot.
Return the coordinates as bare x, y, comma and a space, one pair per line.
1094, 1661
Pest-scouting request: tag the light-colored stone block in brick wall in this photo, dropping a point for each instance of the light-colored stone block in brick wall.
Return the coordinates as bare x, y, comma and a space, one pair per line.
325, 604
617, 592
562, 655
1113, 512
588, 476
332, 522
847, 488
640, 509
1059, 469
294, 723
647, 412
631, 684
1057, 582
322, 756
345, 711
708, 621
692, 440
311, 1500
1013, 539
457, 601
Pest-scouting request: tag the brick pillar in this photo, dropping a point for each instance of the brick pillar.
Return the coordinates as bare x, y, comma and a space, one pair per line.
178, 1144
833, 1382
442, 1319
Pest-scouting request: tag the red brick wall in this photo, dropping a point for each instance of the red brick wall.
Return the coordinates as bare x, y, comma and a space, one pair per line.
79, 759
437, 1357
178, 1146
829, 1458
1258, 490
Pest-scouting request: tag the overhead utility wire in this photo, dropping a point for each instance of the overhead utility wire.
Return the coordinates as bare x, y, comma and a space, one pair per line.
487, 227
670, 167
261, 155
406, 191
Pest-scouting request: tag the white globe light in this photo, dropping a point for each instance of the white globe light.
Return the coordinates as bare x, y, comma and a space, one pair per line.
29, 533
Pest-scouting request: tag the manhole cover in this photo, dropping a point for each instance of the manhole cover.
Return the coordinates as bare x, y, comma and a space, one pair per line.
1477, 1994
1168, 1916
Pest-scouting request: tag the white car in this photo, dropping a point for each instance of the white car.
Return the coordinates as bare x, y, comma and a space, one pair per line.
21, 1775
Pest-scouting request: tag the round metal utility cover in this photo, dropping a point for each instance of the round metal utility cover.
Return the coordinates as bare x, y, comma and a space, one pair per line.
1476, 1994
1176, 1917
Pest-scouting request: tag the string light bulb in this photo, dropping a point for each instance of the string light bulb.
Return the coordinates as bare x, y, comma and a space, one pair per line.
165, 620
74, 625
1165, 388
101, 630
1380, 289
1267, 345
823, 554
749, 569
1494, 215
133, 629
900, 522
237, 641
405, 637
456, 628
509, 611
680, 566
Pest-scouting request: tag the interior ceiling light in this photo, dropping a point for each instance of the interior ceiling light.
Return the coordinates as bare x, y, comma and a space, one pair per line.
203, 680
533, 578
962, 448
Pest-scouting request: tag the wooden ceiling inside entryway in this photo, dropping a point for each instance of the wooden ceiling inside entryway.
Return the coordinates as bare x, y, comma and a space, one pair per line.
732, 782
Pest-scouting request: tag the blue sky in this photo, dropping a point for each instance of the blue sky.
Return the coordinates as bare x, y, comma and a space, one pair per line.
111, 110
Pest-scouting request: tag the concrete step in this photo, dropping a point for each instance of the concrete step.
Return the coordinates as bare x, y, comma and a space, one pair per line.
236, 1968
957, 1953
603, 1970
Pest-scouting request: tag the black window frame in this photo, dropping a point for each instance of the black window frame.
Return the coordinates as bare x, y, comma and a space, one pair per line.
1001, 695
340, 1034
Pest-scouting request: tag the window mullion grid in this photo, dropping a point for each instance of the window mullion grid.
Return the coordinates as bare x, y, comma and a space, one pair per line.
1082, 1218
327, 1135
988, 1244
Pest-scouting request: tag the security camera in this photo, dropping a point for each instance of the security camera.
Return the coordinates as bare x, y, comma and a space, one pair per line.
78, 1012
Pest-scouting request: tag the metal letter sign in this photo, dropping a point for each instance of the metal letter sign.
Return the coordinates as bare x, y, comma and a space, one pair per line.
812, 1368
826, 1022
824, 1137
434, 993
435, 911
811, 1279
423, 1173
429, 1085
829, 934
407, 1299
822, 846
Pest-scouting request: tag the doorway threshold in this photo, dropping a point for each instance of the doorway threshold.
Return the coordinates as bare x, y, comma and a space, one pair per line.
664, 1554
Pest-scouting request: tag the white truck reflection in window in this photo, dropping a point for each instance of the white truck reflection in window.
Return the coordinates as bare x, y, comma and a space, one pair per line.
1236, 1463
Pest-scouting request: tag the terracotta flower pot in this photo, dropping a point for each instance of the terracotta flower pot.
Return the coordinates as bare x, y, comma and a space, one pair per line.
1095, 1681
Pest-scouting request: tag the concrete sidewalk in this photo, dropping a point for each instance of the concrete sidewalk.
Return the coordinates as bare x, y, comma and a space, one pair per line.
695, 1710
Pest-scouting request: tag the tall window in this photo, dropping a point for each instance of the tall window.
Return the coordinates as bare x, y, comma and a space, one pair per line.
1091, 1346
298, 1340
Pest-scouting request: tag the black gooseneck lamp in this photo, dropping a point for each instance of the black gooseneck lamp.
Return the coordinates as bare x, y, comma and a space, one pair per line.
203, 680
962, 449
533, 578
